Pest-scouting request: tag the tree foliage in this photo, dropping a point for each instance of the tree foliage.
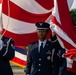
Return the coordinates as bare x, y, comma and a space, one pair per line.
73, 15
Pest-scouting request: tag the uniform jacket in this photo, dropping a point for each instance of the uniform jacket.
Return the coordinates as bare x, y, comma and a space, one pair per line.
37, 63
6, 53
45, 63
58, 61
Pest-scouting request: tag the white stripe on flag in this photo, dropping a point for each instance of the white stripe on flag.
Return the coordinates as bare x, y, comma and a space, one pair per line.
55, 12
57, 29
31, 6
70, 2
16, 26
63, 35
20, 56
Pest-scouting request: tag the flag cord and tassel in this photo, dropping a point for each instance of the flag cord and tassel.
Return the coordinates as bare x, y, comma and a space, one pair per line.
8, 18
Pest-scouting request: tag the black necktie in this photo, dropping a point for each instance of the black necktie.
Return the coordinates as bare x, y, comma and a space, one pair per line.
41, 48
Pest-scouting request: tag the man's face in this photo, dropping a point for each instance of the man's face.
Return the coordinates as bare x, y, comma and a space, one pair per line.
42, 34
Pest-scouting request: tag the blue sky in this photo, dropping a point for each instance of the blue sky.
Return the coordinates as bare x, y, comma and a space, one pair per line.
74, 5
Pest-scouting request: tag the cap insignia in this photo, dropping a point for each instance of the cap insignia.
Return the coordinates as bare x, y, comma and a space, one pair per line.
40, 24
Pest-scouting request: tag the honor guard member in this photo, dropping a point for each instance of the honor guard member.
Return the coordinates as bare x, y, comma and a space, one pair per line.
7, 52
59, 63
39, 56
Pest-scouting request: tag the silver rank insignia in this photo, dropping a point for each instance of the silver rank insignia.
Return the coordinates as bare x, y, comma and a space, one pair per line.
48, 52
48, 57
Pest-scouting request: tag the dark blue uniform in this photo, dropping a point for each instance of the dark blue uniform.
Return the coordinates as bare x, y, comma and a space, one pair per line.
6, 53
45, 62
37, 63
62, 61
59, 63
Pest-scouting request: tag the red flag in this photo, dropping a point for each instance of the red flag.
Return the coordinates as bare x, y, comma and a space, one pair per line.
20, 56
63, 22
0, 1
63, 26
20, 16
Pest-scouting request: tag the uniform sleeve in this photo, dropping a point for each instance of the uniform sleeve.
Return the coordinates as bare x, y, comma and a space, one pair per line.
8, 50
57, 54
1, 44
29, 61
55, 42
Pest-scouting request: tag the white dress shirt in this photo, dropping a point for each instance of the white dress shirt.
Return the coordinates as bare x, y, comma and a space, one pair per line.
39, 44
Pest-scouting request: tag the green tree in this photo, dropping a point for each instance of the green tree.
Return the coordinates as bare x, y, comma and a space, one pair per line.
73, 15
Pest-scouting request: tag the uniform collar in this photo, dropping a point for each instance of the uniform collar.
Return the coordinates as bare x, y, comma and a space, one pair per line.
44, 42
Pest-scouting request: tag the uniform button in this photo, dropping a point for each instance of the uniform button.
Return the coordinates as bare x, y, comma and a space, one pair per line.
40, 59
38, 69
39, 64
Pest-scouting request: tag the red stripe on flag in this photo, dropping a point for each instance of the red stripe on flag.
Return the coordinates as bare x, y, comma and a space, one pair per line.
71, 32
63, 15
66, 44
23, 39
0, 1
66, 20
20, 14
19, 61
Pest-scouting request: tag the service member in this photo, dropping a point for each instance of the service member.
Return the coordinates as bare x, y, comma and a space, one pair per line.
7, 52
40, 53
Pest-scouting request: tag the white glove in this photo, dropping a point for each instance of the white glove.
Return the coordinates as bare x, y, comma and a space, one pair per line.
52, 26
1, 44
69, 62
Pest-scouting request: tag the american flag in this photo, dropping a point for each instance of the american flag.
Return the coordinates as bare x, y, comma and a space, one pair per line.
19, 18
18, 22
62, 24
0, 1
